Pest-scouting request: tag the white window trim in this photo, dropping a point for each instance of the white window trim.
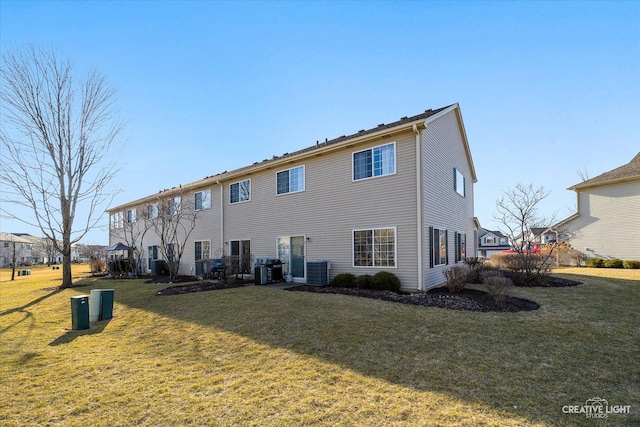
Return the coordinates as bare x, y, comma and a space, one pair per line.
442, 262
304, 180
457, 172
395, 248
250, 190
208, 200
395, 162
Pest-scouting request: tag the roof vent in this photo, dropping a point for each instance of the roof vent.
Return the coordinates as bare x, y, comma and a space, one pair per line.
403, 118
381, 124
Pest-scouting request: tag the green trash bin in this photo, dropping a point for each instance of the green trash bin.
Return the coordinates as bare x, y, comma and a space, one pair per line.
80, 312
106, 304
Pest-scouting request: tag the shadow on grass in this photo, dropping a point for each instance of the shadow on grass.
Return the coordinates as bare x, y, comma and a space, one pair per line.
71, 334
505, 360
31, 303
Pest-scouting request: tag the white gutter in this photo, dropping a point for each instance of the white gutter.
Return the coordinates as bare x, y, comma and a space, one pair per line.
419, 206
221, 215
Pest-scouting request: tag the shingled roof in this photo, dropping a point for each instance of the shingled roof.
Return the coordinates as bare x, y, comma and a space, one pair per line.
628, 172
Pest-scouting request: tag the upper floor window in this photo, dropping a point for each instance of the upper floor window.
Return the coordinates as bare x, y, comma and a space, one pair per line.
174, 205
152, 211
131, 216
240, 191
203, 200
117, 220
458, 182
290, 180
376, 161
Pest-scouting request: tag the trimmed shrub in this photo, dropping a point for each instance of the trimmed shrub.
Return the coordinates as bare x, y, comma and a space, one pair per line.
497, 285
631, 264
364, 282
595, 263
613, 263
457, 278
343, 280
384, 280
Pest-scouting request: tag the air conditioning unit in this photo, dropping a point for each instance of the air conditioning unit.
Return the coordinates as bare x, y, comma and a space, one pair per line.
318, 272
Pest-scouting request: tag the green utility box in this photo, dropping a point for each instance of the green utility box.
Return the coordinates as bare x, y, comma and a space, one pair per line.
106, 304
80, 312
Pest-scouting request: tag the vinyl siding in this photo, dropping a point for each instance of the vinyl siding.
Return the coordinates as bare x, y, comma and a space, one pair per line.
207, 228
609, 221
442, 151
330, 208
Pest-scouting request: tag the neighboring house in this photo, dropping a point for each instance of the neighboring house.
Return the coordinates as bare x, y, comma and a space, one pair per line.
491, 242
8, 244
397, 197
607, 221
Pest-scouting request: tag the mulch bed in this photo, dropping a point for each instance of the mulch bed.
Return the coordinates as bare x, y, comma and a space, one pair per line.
468, 299
197, 287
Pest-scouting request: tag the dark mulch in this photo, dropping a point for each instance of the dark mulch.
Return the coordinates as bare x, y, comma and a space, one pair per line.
468, 299
198, 287
539, 281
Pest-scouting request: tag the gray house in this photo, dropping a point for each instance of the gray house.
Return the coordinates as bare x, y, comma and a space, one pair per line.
397, 197
607, 221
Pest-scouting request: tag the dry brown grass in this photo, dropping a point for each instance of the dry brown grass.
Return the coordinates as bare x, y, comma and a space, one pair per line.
261, 356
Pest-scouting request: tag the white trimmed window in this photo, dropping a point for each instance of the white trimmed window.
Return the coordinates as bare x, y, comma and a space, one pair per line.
203, 200
117, 220
174, 205
374, 247
152, 211
131, 216
290, 180
240, 191
458, 182
438, 246
376, 161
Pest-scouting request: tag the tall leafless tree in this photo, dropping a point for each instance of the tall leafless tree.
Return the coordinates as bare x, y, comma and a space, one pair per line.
58, 130
173, 221
518, 213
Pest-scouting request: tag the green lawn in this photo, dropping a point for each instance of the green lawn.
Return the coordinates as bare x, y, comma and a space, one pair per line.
267, 357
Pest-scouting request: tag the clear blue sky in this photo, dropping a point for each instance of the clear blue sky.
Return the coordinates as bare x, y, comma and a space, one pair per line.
545, 88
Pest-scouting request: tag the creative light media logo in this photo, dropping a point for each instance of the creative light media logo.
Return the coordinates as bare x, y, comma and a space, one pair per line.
596, 407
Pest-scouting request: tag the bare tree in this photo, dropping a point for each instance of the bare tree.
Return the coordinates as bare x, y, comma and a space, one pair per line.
57, 131
173, 221
15, 250
517, 212
136, 224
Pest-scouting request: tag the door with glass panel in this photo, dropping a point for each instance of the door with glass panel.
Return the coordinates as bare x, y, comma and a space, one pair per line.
291, 251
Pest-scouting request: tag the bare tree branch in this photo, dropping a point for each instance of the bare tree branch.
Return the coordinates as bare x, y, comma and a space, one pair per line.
57, 132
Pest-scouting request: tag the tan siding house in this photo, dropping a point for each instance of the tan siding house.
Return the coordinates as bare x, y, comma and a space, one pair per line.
607, 222
365, 202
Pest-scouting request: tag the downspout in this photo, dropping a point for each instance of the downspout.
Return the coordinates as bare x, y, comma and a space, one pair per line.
419, 207
221, 216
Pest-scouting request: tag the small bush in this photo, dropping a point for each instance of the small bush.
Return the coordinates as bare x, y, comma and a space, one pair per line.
497, 285
457, 278
364, 282
613, 263
634, 265
476, 267
595, 263
97, 265
384, 280
343, 280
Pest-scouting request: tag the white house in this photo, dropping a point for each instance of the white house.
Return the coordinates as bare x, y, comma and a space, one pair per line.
607, 221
